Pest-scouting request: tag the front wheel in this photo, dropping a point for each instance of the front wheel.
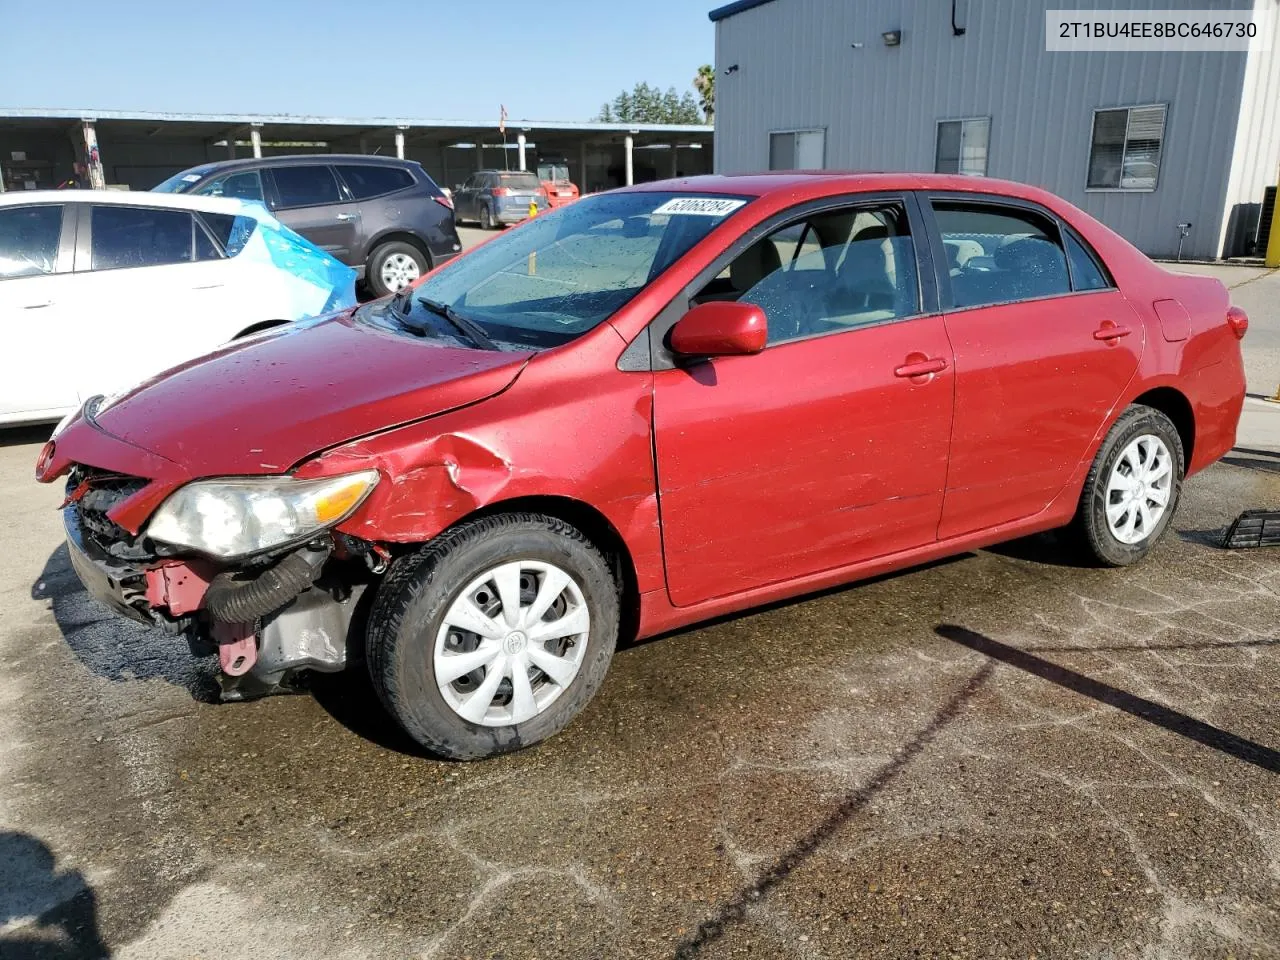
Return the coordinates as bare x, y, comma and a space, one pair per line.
494, 636
1132, 488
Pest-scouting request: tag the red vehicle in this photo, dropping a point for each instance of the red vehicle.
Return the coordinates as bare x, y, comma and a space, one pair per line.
651, 407
554, 177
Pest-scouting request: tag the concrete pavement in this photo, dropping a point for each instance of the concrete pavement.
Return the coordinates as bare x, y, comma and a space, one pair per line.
1002, 755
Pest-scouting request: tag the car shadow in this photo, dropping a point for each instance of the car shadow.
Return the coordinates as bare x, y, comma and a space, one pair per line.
624, 645
349, 698
1048, 549
45, 913
115, 648
20, 436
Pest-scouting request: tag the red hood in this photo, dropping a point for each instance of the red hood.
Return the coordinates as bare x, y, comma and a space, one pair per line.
263, 405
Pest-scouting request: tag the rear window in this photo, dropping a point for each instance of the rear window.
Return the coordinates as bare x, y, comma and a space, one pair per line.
366, 180
306, 186
232, 232
519, 181
139, 237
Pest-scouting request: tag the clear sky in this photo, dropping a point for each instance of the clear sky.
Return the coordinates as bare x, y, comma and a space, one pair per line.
544, 59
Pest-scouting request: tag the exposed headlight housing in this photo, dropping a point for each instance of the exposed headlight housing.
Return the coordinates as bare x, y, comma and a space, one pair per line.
240, 516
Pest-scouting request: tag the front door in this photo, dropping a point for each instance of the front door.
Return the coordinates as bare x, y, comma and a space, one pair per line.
1043, 352
309, 201
35, 257
828, 448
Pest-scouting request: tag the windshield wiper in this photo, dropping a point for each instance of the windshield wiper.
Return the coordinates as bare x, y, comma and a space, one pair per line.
468, 328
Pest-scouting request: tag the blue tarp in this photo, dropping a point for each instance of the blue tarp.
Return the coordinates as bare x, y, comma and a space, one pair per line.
319, 283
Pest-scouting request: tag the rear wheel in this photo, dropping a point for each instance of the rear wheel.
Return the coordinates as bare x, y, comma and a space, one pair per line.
1132, 489
486, 219
393, 266
494, 636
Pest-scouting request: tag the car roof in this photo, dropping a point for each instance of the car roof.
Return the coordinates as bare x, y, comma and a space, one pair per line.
219, 166
131, 198
810, 184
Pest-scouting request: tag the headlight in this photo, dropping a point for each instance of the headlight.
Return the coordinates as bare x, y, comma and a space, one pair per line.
231, 518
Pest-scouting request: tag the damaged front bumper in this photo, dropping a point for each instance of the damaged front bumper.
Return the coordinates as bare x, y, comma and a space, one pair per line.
268, 620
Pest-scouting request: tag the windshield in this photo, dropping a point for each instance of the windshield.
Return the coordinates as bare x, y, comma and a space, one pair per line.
561, 274
183, 181
555, 172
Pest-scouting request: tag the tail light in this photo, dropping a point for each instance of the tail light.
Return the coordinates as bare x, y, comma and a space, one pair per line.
500, 191
444, 201
1239, 321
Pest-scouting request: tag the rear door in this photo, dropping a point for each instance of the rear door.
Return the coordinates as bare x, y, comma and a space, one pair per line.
830, 447
464, 201
1040, 360
308, 199
37, 245
150, 292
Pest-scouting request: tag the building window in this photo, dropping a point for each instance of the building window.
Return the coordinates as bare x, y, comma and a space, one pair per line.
1126, 147
797, 150
962, 146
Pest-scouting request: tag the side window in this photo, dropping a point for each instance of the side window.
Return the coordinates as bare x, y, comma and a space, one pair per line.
306, 186
366, 180
245, 185
231, 232
827, 273
1086, 270
1000, 254
29, 240
139, 237
206, 249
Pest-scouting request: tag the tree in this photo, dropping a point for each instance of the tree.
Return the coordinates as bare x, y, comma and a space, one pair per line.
704, 81
646, 104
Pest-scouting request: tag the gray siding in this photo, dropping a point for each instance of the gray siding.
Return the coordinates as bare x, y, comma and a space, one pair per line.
1257, 141
880, 106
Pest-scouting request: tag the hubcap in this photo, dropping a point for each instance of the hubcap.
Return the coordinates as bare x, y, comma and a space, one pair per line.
1139, 488
398, 271
512, 641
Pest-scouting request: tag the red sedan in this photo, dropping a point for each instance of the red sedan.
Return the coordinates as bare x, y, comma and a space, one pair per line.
651, 407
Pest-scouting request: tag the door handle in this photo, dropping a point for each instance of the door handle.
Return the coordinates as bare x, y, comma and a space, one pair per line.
345, 216
1110, 332
38, 306
208, 286
920, 368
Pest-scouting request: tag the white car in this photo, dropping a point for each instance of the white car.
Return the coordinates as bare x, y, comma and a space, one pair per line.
102, 289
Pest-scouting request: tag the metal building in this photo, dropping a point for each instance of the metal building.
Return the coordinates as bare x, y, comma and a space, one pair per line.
1144, 141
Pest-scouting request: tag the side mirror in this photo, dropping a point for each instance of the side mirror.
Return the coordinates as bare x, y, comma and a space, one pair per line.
720, 328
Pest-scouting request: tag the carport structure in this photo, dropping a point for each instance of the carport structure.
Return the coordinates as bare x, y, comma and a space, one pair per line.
136, 150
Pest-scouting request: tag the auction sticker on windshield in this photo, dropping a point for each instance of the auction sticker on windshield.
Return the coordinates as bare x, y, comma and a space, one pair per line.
700, 206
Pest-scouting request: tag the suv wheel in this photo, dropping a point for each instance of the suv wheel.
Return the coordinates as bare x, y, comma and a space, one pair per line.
393, 266
486, 219
494, 635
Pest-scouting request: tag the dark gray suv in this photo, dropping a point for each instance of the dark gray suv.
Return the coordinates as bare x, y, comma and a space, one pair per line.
383, 216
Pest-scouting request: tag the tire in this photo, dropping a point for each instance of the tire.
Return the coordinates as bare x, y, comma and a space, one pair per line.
403, 262
413, 631
486, 218
1109, 541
